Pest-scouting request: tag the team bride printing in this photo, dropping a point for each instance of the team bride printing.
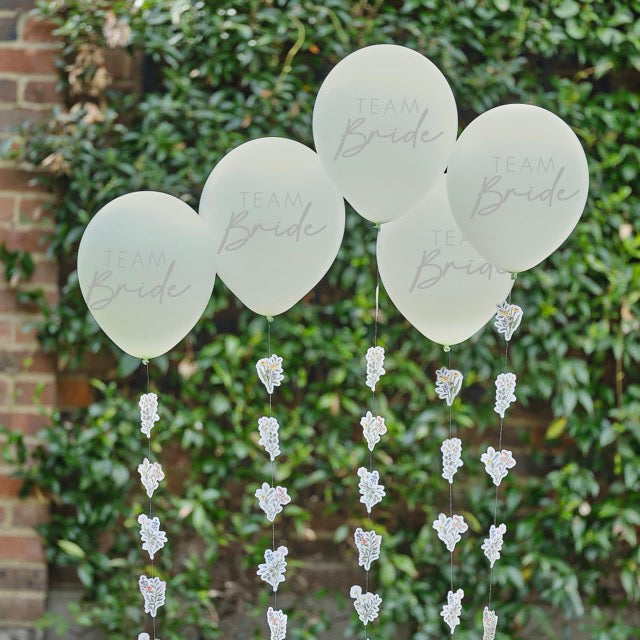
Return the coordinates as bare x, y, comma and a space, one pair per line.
359, 134
241, 229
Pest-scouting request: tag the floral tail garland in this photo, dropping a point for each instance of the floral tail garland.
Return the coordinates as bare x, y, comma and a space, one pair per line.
153, 538
272, 498
368, 543
498, 462
450, 528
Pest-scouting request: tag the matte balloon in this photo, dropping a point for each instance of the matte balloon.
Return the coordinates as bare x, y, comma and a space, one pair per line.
518, 181
433, 275
277, 222
384, 123
146, 271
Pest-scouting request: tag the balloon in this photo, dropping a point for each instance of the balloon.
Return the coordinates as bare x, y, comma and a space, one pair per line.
384, 123
518, 182
146, 271
434, 277
277, 222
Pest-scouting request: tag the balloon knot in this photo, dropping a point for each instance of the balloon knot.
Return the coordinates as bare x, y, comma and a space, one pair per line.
446, 348
514, 275
145, 361
269, 318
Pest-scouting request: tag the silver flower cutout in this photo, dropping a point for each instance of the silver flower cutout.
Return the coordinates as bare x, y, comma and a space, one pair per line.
448, 384
270, 372
269, 438
148, 412
151, 474
453, 609
372, 428
489, 624
274, 567
498, 463
367, 605
451, 458
368, 544
508, 318
375, 366
272, 500
371, 491
277, 622
153, 539
493, 544
449, 529
153, 591
505, 386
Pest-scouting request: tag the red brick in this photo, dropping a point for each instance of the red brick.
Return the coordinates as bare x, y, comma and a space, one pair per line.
5, 394
4, 522
19, 180
14, 609
28, 424
9, 488
36, 30
6, 209
29, 514
6, 331
74, 391
36, 211
8, 301
34, 393
28, 60
23, 578
45, 273
41, 91
25, 360
26, 334
33, 240
27, 548
17, 4
8, 90
12, 117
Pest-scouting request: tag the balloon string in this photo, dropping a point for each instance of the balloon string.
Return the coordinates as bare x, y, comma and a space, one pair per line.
273, 467
500, 436
450, 484
153, 572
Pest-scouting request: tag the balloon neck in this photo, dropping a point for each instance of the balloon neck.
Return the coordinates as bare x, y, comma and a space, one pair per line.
446, 348
514, 275
145, 361
269, 318
377, 226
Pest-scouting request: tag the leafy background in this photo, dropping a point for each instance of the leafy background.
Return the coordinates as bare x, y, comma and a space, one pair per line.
218, 74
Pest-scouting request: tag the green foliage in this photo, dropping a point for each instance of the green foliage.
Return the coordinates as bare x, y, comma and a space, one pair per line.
226, 72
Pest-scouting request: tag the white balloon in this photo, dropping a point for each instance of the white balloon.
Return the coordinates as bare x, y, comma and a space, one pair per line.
277, 222
146, 271
518, 181
434, 277
384, 123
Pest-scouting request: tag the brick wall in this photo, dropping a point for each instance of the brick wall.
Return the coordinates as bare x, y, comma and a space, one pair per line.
27, 378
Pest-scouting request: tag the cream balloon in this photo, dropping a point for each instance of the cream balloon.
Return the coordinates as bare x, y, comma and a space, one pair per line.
146, 271
434, 277
277, 222
384, 123
518, 181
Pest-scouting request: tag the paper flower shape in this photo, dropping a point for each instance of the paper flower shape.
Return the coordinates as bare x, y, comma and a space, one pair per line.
375, 366
508, 318
489, 624
372, 427
497, 463
505, 386
274, 567
368, 545
143, 636
152, 537
448, 384
269, 439
493, 544
153, 591
148, 412
272, 500
277, 622
270, 372
452, 610
151, 474
371, 492
367, 605
451, 458
449, 529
